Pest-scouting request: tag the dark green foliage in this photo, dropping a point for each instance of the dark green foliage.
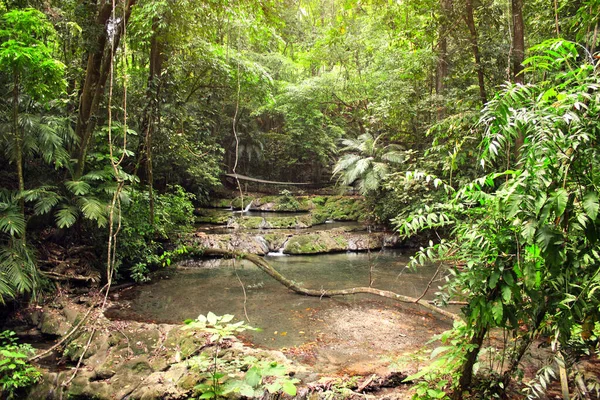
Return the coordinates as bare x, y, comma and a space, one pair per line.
141, 241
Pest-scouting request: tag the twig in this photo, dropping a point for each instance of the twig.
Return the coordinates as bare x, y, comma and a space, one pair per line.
243, 289
64, 339
429, 284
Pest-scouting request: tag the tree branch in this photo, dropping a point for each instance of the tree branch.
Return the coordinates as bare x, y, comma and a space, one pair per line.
265, 267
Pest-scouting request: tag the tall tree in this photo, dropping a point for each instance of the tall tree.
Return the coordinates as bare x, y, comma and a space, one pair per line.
518, 55
102, 51
470, 20
442, 52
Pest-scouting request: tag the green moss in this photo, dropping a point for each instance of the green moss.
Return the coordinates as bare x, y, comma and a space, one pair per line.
314, 243
220, 203
216, 217
303, 221
341, 240
237, 202
250, 222
305, 244
319, 201
318, 216
343, 208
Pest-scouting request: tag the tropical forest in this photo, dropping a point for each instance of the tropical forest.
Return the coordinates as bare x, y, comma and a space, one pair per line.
299, 199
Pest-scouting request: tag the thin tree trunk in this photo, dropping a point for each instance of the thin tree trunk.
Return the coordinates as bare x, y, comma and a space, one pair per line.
442, 62
475, 48
524, 345
150, 116
265, 267
18, 144
518, 55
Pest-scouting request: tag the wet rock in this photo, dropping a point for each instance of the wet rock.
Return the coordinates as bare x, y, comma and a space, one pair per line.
53, 322
334, 240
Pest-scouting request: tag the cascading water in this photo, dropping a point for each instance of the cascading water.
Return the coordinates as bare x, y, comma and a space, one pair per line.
279, 253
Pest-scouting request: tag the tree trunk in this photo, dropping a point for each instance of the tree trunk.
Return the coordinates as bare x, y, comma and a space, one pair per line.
475, 48
518, 54
18, 134
524, 345
442, 62
148, 123
96, 75
466, 376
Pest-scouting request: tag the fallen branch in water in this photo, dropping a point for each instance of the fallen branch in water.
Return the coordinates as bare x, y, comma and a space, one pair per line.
266, 267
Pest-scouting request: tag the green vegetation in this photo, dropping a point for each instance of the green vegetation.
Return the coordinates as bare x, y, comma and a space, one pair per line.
116, 117
16, 374
225, 378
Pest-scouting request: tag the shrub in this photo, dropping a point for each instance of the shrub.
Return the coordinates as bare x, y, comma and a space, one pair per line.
15, 372
140, 241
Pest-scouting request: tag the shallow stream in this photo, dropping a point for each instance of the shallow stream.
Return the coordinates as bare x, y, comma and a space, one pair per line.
348, 333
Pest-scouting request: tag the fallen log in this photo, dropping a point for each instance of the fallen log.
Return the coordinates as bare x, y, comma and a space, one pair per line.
266, 267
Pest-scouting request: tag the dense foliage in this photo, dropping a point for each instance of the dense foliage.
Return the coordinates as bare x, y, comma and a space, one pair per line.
115, 117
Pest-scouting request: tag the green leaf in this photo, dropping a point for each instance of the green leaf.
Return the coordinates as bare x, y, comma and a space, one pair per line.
494, 279
498, 312
590, 205
211, 318
561, 197
11, 220
253, 376
506, 293
93, 209
289, 388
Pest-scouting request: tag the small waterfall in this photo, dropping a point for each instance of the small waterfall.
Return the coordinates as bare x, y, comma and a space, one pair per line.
245, 210
279, 253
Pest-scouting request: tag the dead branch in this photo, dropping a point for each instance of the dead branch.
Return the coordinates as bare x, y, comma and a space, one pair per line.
265, 267
61, 277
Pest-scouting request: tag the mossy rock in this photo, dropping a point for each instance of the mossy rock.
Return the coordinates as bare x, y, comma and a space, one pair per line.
221, 203
318, 217
314, 244
343, 208
216, 217
275, 240
248, 222
282, 203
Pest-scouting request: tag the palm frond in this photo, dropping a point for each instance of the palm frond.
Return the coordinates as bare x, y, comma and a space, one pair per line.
11, 220
17, 264
66, 216
78, 188
396, 157
345, 162
93, 209
357, 170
